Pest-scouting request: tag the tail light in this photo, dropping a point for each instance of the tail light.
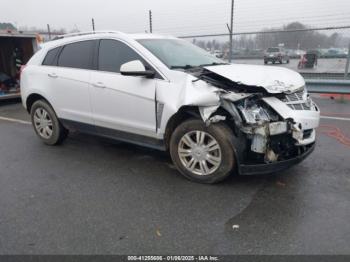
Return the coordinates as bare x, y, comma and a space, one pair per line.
22, 68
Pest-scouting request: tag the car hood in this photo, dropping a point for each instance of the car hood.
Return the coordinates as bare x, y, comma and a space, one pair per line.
273, 79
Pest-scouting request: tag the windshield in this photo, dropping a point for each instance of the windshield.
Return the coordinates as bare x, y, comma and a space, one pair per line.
176, 53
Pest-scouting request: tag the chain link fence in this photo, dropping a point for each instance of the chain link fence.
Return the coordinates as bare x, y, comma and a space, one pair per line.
315, 53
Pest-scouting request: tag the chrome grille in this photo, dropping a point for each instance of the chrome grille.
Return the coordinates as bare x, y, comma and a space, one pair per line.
297, 100
297, 96
303, 106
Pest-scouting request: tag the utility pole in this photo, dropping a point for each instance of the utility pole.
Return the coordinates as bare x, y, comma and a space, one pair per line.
93, 24
230, 29
49, 31
150, 22
347, 64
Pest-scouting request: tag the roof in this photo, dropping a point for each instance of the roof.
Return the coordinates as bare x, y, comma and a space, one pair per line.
63, 39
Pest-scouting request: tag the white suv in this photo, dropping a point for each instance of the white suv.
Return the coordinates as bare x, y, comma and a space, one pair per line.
162, 92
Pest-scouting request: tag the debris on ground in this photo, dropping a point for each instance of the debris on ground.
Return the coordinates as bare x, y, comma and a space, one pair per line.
235, 227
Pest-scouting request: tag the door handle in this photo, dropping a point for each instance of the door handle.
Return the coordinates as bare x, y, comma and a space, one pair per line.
53, 75
99, 85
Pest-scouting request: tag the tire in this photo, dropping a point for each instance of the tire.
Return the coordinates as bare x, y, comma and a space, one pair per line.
218, 133
43, 114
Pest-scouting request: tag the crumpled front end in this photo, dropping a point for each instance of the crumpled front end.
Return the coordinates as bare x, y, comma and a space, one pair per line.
278, 129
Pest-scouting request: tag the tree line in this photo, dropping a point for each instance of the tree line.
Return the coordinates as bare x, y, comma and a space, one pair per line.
292, 40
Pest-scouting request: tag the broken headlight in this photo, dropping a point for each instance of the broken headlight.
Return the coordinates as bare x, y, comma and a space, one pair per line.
254, 113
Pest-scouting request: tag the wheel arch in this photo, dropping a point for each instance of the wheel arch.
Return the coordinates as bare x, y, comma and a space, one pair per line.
188, 112
184, 113
32, 98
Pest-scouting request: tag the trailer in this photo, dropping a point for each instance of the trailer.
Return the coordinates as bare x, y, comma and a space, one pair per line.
16, 48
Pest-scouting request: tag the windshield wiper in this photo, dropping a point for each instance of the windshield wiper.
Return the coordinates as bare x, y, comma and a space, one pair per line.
186, 67
213, 64
182, 67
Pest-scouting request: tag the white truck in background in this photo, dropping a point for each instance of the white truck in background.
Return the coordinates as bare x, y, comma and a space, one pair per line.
16, 48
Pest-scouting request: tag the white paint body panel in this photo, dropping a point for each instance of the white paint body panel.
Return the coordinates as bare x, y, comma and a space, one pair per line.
124, 103
68, 92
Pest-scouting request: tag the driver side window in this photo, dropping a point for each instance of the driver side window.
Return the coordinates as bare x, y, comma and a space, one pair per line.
113, 54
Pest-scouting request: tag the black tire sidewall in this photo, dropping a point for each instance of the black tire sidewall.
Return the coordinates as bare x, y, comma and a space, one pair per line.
224, 137
56, 126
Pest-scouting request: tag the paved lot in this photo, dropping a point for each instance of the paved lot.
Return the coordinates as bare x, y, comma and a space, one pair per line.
91, 196
333, 65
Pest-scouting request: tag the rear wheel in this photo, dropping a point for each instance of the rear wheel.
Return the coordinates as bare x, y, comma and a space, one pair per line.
203, 154
46, 123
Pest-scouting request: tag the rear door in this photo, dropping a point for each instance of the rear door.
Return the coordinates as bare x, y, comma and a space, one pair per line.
69, 81
121, 103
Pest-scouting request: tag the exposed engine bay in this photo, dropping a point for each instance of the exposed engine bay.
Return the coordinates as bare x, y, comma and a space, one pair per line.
278, 120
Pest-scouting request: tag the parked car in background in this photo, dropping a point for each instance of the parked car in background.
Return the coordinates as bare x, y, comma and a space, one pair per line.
276, 54
335, 53
295, 53
213, 117
218, 54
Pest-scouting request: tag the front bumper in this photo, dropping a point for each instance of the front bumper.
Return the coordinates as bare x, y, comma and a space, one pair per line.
263, 169
272, 59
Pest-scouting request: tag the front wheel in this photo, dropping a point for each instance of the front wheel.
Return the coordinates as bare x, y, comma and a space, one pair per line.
203, 154
46, 123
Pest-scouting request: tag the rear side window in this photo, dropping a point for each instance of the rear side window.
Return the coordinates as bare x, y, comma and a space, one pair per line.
77, 55
51, 57
113, 54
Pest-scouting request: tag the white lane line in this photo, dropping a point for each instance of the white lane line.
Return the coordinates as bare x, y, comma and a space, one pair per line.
15, 120
335, 118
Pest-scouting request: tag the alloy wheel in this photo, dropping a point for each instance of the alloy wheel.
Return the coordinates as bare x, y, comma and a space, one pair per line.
200, 153
43, 123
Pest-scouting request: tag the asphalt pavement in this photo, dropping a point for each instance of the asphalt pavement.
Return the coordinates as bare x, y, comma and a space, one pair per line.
93, 196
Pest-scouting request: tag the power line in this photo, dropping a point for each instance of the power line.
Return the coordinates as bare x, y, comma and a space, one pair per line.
245, 25
269, 32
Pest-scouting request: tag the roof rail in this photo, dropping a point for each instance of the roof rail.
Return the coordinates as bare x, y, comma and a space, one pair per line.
85, 33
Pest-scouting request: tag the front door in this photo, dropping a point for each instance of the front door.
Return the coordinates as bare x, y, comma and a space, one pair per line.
121, 103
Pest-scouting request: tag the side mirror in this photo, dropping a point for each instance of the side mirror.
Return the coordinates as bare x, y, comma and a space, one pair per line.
135, 68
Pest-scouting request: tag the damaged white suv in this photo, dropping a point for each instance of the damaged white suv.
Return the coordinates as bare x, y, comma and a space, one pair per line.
162, 92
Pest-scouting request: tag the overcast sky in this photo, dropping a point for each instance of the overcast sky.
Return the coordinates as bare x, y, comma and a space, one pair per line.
177, 17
